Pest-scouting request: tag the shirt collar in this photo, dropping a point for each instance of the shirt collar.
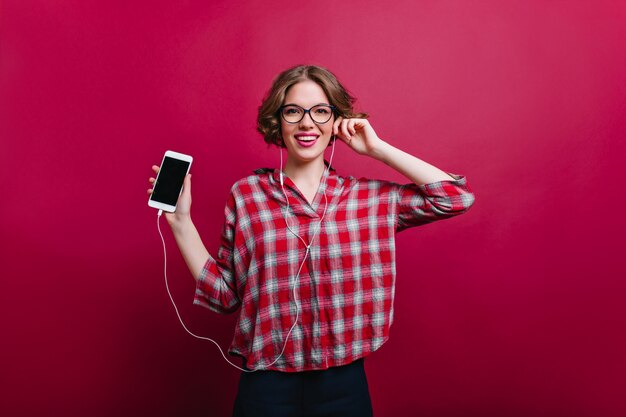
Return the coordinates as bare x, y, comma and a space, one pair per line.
333, 186
275, 173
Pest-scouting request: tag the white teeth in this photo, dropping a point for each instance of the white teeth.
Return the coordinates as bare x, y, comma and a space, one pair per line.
302, 138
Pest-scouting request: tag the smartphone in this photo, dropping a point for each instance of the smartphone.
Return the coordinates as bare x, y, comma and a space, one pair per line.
169, 181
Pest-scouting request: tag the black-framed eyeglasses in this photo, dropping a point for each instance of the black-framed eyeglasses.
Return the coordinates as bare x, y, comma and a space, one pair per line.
320, 114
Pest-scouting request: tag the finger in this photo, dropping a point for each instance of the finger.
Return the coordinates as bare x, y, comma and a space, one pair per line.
187, 184
351, 125
344, 128
336, 125
151, 180
149, 191
155, 168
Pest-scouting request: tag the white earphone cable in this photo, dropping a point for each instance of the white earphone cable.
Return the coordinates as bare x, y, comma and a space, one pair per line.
306, 254
174, 304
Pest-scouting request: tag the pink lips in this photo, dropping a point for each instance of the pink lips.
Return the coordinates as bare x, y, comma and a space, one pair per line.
306, 140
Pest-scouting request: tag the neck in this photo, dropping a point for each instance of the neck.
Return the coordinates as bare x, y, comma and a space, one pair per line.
306, 172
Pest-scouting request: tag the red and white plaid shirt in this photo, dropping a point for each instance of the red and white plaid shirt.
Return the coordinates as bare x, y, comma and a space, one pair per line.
346, 286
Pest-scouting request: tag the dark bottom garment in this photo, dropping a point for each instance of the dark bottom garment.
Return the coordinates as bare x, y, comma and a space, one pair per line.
339, 391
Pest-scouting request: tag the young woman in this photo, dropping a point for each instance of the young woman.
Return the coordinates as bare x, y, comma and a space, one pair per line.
308, 256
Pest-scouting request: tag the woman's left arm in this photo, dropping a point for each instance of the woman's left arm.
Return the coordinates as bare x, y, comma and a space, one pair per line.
359, 135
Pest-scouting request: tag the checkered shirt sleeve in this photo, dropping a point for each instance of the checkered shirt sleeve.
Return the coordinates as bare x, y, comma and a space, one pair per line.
426, 203
216, 287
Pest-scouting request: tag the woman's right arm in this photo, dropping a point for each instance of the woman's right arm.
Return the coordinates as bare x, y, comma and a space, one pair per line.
187, 237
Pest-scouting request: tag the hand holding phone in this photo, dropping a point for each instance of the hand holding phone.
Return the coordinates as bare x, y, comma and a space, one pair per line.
168, 184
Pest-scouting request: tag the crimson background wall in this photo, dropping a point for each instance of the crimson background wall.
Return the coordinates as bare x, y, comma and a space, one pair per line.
513, 309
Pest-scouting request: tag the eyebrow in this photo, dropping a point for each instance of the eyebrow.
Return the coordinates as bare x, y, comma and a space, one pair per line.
294, 104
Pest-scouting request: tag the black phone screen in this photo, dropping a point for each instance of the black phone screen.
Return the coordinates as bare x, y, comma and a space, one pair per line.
170, 181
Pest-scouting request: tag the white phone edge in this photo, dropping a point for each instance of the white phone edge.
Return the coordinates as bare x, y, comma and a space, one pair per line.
176, 155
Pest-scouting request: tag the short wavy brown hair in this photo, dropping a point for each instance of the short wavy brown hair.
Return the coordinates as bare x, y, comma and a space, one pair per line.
268, 121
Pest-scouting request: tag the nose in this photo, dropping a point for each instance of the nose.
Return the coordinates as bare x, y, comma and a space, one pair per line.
307, 120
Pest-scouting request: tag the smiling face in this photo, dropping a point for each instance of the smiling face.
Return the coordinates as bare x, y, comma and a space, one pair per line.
306, 140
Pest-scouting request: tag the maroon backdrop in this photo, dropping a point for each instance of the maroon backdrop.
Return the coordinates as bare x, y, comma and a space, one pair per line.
513, 309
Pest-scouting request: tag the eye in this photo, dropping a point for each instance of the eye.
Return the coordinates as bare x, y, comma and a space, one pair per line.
322, 110
291, 110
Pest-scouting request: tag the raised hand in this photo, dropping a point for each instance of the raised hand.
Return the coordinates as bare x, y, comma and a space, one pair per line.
358, 134
183, 207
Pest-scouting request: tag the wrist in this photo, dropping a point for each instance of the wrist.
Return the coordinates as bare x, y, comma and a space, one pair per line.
180, 223
381, 151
